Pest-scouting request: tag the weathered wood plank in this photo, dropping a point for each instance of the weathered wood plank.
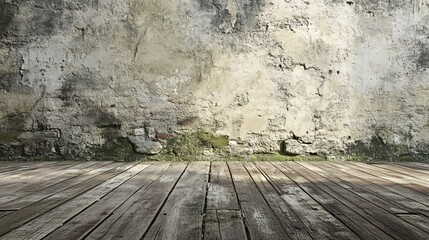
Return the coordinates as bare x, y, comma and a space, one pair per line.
399, 189
223, 218
36, 209
132, 219
90, 218
8, 168
293, 225
417, 220
390, 200
21, 165
221, 193
212, 227
4, 213
32, 197
259, 218
49, 221
416, 165
356, 187
417, 184
404, 172
363, 189
182, 215
14, 183
320, 223
413, 168
325, 197
27, 170
400, 228
224, 224
47, 181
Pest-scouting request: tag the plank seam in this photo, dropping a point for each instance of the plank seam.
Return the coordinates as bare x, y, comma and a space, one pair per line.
246, 229
163, 204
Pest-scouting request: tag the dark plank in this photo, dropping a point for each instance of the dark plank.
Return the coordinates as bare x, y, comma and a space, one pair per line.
4, 213
223, 216
325, 197
182, 215
36, 209
90, 218
398, 228
293, 225
417, 220
224, 224
49, 221
259, 219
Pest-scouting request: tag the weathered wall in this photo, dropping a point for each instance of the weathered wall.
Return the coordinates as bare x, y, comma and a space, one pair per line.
324, 77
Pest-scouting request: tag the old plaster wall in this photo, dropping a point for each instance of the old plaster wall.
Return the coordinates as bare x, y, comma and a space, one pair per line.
90, 78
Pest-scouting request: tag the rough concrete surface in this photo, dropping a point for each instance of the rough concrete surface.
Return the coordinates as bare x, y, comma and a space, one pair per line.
89, 78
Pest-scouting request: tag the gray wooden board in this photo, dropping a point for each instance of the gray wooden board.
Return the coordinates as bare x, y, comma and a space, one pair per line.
132, 219
10, 168
22, 172
221, 193
14, 183
424, 166
416, 219
182, 215
224, 224
325, 197
35, 196
47, 181
36, 168
390, 199
223, 218
293, 225
405, 172
56, 217
36, 209
399, 189
259, 218
362, 189
414, 183
399, 229
4, 213
412, 168
356, 187
320, 223
90, 218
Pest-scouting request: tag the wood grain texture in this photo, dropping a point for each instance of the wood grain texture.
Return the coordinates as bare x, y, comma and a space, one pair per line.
213, 200
182, 215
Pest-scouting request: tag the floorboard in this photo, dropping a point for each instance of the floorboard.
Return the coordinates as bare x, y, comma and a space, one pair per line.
214, 200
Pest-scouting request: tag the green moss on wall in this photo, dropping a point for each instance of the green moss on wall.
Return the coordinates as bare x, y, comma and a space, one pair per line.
195, 143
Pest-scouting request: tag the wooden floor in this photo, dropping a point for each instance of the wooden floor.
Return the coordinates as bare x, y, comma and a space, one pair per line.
214, 200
